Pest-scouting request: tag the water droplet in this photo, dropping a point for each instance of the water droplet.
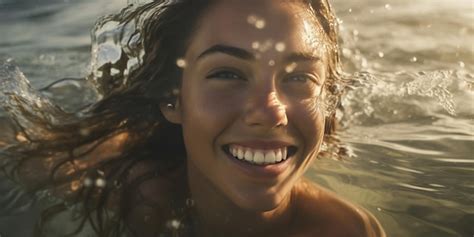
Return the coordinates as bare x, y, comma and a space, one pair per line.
290, 67
190, 202
388, 7
117, 184
381, 54
175, 92
251, 19
173, 224
461, 64
75, 185
21, 137
346, 52
114, 71
87, 182
100, 183
181, 63
355, 32
413, 59
271, 63
260, 24
280, 46
255, 45
350, 10
379, 209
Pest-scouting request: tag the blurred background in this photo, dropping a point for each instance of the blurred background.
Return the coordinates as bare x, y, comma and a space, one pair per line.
407, 120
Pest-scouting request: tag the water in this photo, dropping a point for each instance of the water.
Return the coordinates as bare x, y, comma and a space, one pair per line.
408, 119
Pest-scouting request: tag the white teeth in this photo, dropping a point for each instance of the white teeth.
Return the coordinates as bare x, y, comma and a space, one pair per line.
278, 156
240, 154
259, 156
270, 157
248, 156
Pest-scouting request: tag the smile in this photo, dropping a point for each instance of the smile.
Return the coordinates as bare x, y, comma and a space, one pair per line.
260, 156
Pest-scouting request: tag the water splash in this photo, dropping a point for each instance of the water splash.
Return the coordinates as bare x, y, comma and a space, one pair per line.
391, 97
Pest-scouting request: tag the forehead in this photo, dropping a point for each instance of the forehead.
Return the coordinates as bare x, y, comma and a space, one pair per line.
244, 23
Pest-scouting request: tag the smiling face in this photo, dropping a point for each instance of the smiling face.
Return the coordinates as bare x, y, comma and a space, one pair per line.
250, 104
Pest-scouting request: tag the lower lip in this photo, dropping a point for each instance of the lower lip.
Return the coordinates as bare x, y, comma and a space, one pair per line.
259, 171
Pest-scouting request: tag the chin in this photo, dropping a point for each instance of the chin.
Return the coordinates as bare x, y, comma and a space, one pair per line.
262, 202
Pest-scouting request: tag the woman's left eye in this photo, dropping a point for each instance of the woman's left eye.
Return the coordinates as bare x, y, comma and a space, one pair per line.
302, 78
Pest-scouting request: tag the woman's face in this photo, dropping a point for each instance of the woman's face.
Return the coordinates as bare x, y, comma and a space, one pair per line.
249, 103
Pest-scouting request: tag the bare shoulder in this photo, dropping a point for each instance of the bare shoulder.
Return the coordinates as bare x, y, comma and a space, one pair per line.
323, 213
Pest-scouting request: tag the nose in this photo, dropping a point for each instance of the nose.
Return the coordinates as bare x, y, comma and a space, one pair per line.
265, 110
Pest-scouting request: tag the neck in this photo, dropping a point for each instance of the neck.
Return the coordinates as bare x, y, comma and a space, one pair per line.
216, 215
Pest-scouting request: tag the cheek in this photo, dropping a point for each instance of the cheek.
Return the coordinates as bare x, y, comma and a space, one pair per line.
309, 118
208, 111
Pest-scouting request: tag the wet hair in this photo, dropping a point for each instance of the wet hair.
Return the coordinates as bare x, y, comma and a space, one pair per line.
151, 37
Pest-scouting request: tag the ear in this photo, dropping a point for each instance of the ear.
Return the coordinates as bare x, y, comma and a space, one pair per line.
171, 113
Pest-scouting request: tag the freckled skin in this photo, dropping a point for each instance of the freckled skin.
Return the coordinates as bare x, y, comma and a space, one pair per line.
260, 104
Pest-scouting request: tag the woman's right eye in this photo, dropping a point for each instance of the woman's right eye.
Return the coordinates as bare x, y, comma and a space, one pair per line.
225, 74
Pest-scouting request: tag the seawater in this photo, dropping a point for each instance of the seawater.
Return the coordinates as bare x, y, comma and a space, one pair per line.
407, 119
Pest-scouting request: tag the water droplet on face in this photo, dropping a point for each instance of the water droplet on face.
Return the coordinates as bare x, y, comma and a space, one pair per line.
413, 59
290, 67
260, 24
381, 54
280, 46
255, 45
355, 32
181, 63
271, 63
379, 209
461, 64
350, 10
251, 19
388, 7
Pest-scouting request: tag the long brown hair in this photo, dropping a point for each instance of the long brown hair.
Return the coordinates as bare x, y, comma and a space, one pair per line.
128, 111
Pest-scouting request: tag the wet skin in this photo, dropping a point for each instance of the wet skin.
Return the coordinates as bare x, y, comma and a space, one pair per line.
234, 93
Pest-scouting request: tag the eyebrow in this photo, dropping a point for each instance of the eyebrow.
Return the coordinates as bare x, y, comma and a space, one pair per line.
246, 55
230, 50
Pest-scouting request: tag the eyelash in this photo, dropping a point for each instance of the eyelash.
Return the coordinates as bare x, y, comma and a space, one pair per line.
304, 76
229, 74
225, 74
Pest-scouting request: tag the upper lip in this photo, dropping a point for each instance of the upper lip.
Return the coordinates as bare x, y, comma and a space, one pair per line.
262, 144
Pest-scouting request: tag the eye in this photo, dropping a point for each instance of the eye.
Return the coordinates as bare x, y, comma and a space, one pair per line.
301, 85
301, 78
225, 74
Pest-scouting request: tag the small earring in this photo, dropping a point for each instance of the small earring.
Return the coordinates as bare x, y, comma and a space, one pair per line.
170, 106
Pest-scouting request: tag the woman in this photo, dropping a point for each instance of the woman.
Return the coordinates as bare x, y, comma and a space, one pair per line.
211, 134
